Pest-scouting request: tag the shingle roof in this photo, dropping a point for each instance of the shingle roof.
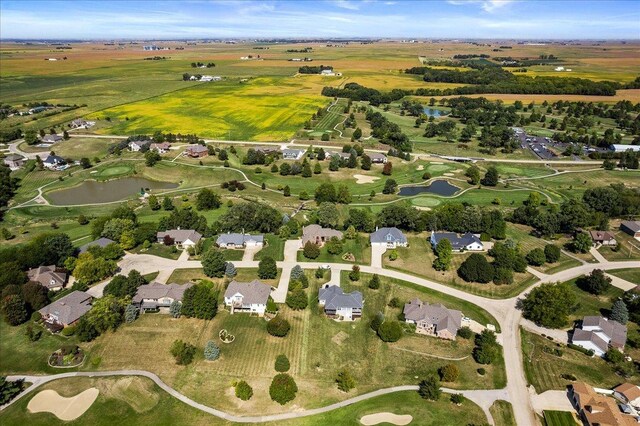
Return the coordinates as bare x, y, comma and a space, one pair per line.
388, 235
376, 156
335, 298
53, 159
253, 293
312, 232
100, 242
45, 274
156, 290
69, 308
613, 329
14, 157
632, 225
181, 235
197, 148
457, 242
238, 239
629, 390
52, 138
436, 314
580, 335
601, 235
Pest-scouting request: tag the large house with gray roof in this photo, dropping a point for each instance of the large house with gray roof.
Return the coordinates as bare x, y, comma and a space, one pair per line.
14, 161
182, 238
433, 320
631, 227
49, 276
340, 305
249, 297
239, 241
158, 296
389, 238
101, 242
51, 138
599, 334
67, 310
466, 242
318, 235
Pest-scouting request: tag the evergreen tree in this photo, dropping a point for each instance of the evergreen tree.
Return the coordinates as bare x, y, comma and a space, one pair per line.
211, 351
619, 312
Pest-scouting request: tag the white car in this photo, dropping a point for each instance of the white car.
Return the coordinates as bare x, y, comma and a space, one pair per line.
325, 266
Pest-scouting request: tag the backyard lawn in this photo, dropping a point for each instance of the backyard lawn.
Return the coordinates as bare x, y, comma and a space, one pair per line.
160, 250
359, 248
559, 418
273, 248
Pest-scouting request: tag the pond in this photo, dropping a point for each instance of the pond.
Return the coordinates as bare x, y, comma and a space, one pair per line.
438, 187
435, 113
93, 192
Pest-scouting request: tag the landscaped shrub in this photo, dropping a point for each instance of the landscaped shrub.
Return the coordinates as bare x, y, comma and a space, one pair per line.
569, 377
211, 351
465, 332
297, 299
374, 282
481, 371
283, 388
68, 331
243, 390
390, 331
36, 316
345, 380
310, 250
377, 321
429, 388
536, 257
282, 364
278, 327
448, 373
354, 275
183, 352
267, 268
487, 350
551, 253
587, 352
395, 302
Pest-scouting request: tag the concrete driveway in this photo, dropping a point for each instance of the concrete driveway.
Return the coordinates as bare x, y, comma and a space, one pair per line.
376, 255
249, 252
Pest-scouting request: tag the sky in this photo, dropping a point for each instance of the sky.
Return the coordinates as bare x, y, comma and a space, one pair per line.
186, 19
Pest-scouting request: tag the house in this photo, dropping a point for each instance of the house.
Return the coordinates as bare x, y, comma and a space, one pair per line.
377, 157
238, 241
316, 234
136, 146
68, 309
49, 276
196, 151
328, 72
247, 297
629, 394
631, 227
36, 110
596, 409
433, 320
467, 242
53, 162
161, 148
51, 138
100, 242
616, 147
293, 154
79, 123
389, 238
183, 238
603, 238
598, 334
158, 296
14, 161
343, 155
340, 305
267, 150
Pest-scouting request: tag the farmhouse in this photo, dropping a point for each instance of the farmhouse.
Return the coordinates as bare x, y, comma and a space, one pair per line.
79, 123
598, 334
238, 241
196, 151
603, 238
100, 242
14, 161
340, 305
49, 276
316, 234
51, 138
468, 241
433, 320
631, 227
158, 296
596, 409
389, 238
53, 162
293, 154
68, 309
249, 297
622, 148
377, 157
182, 238
161, 148
136, 146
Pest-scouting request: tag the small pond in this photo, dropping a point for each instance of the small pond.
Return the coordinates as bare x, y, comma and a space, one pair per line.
435, 113
92, 192
438, 187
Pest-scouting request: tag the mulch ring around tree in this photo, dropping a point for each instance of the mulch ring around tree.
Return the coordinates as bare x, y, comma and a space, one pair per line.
226, 337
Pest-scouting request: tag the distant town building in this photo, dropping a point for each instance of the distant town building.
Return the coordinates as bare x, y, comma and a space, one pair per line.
622, 148
293, 154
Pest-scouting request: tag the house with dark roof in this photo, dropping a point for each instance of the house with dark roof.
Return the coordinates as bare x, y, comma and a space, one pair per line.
340, 305
182, 238
466, 242
599, 334
196, 151
51, 138
49, 276
67, 310
14, 161
158, 296
238, 241
377, 157
249, 297
388, 237
53, 162
596, 409
433, 320
318, 235
631, 227
603, 238
101, 242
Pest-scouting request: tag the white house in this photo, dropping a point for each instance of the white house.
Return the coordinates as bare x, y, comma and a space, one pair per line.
183, 238
249, 297
293, 154
598, 334
53, 162
340, 305
136, 146
618, 147
467, 242
389, 238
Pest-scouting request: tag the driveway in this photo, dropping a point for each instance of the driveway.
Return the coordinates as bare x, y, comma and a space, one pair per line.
624, 285
596, 255
376, 255
249, 252
555, 400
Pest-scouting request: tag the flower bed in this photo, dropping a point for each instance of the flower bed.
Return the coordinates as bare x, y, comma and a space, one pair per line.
349, 257
226, 337
68, 356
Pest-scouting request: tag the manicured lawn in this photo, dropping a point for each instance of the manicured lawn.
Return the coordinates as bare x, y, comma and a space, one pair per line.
590, 304
628, 248
631, 274
559, 418
160, 250
273, 248
182, 276
502, 412
359, 247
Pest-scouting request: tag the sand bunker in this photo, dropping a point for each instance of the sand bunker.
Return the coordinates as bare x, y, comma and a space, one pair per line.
365, 178
66, 409
420, 167
394, 419
448, 174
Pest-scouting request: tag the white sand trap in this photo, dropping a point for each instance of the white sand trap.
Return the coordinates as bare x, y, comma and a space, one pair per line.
365, 178
448, 174
394, 419
420, 167
437, 162
66, 409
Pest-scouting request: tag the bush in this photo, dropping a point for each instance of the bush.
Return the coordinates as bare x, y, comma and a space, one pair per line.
183, 352
448, 373
551, 253
374, 282
282, 364
354, 275
395, 302
465, 332
457, 398
587, 352
377, 321
393, 255
345, 381
68, 331
476, 268
278, 327
211, 351
243, 390
390, 331
297, 299
36, 316
536, 257
267, 268
614, 356
595, 283
310, 250
429, 388
481, 371
569, 377
283, 388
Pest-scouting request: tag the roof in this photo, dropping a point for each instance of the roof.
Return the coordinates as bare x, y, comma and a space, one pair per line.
630, 391
295, 152
181, 235
622, 147
54, 159
46, 274
376, 155
601, 236
13, 157
163, 145
253, 293
335, 298
312, 232
140, 143
238, 239
612, 329
580, 335
632, 225
78, 121
69, 308
197, 148
457, 242
100, 242
599, 409
52, 138
156, 290
436, 314
386, 235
